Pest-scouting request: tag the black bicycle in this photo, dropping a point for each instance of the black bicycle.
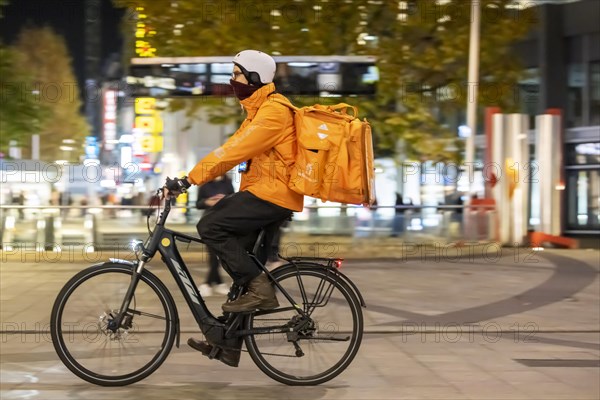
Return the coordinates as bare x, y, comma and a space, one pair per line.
115, 323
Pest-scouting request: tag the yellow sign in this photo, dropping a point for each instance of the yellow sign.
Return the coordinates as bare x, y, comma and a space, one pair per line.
165, 242
147, 124
151, 144
145, 105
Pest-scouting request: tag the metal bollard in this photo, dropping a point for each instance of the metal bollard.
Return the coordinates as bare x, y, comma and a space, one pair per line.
2, 222
49, 233
8, 232
89, 227
491, 217
40, 232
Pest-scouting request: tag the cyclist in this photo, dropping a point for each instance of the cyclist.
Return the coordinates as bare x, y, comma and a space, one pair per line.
263, 146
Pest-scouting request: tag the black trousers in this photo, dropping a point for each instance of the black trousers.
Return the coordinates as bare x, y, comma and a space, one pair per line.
231, 226
213, 277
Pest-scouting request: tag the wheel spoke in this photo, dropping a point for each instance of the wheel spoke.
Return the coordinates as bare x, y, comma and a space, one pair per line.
145, 314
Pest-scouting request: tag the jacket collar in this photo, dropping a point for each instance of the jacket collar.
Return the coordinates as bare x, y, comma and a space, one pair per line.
253, 103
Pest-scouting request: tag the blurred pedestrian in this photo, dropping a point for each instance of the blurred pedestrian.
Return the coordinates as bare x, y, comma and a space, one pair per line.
65, 200
21, 202
83, 203
152, 205
111, 200
398, 224
210, 194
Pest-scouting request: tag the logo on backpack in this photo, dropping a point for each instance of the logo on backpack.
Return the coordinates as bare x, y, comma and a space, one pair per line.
322, 135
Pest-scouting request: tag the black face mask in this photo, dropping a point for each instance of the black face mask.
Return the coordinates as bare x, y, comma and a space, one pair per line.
241, 90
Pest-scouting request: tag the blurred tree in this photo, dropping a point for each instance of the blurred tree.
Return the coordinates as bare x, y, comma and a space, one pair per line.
2, 4
421, 48
422, 51
222, 27
42, 55
20, 113
16, 111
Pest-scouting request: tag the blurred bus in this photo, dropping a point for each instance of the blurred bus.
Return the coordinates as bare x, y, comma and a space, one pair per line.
209, 76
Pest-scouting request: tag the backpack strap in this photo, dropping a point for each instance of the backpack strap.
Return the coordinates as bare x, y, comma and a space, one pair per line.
285, 103
294, 109
343, 108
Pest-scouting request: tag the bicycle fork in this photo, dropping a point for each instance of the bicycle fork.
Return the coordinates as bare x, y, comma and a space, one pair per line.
120, 321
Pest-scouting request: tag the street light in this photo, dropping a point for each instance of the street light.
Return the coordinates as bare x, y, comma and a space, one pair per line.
67, 147
473, 81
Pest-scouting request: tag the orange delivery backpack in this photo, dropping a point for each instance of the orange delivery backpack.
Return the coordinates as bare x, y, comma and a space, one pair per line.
334, 159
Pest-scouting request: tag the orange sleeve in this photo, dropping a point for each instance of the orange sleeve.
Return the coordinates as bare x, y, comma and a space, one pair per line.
260, 135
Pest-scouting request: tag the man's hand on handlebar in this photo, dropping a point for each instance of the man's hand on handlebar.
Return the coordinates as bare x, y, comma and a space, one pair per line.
176, 186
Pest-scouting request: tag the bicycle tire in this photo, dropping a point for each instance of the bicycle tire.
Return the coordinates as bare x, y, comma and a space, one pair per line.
149, 283
295, 378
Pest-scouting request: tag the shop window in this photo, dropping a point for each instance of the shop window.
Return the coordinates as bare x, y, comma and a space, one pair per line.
583, 199
583, 154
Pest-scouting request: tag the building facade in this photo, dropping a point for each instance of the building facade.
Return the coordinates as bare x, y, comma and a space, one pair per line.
563, 58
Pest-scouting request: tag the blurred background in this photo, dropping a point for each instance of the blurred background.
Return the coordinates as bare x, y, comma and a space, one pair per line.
485, 114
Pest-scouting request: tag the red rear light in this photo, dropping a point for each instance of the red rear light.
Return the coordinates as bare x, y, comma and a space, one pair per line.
338, 264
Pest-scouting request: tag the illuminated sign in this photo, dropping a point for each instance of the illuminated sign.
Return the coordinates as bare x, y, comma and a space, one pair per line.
143, 48
149, 124
109, 123
151, 144
145, 105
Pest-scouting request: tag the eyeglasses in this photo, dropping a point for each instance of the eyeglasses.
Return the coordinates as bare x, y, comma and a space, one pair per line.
235, 74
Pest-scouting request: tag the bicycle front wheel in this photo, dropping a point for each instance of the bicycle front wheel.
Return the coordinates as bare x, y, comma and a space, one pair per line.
81, 331
329, 338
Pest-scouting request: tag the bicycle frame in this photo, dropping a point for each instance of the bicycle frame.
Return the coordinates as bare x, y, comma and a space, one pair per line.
163, 241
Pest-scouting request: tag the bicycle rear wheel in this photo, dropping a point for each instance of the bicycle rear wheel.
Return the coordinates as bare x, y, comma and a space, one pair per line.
329, 339
81, 319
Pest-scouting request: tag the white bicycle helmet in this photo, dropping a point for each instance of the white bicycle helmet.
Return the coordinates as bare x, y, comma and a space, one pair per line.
258, 67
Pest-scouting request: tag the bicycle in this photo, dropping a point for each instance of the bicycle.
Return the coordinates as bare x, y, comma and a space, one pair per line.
115, 323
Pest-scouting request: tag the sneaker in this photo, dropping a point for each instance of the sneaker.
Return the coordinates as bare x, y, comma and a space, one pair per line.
222, 289
205, 290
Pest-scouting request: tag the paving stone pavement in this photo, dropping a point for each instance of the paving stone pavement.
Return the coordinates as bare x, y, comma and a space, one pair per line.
501, 326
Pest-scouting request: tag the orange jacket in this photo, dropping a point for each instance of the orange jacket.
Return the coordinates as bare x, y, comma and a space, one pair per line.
267, 137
